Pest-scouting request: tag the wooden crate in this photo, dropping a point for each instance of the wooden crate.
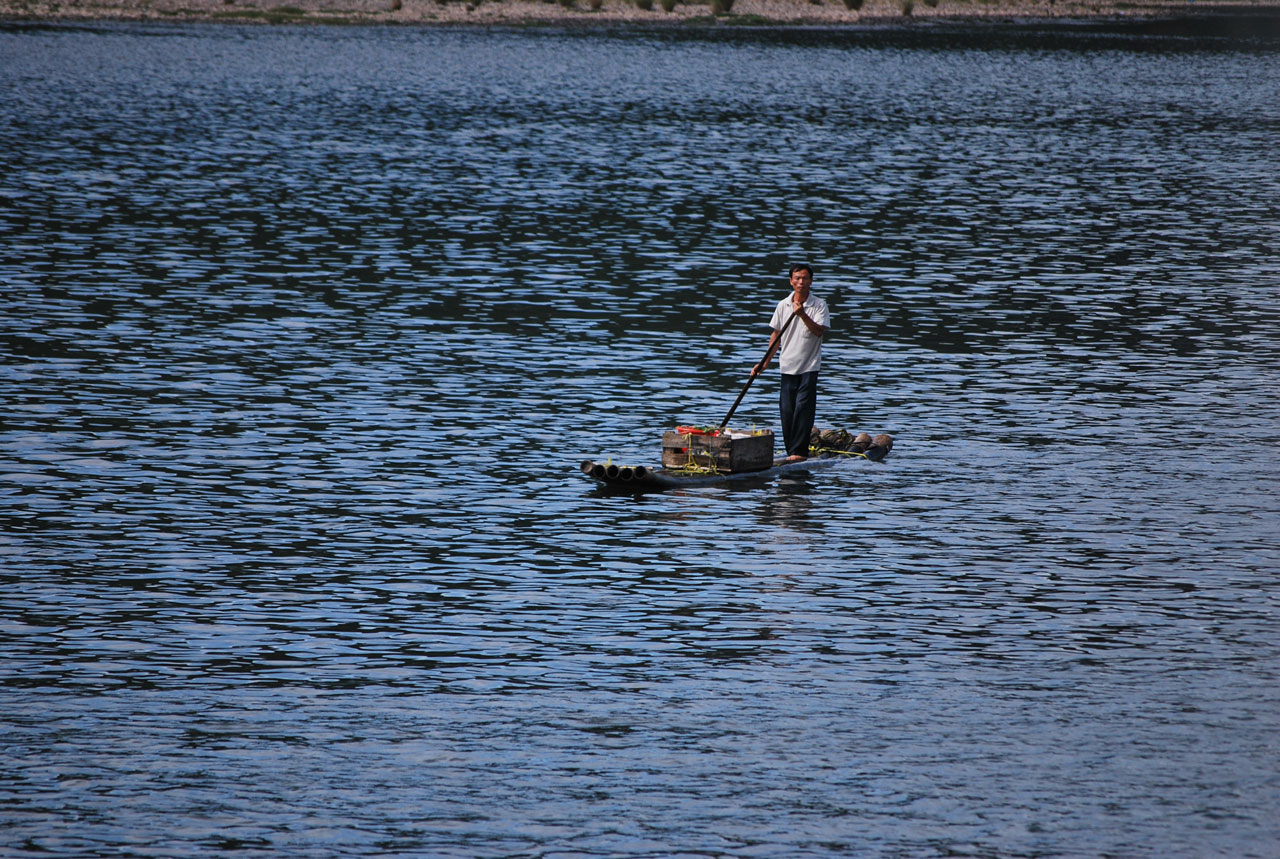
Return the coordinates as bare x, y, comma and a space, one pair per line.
724, 454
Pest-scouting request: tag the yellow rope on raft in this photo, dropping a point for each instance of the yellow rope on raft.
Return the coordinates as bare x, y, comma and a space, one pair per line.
825, 450
693, 466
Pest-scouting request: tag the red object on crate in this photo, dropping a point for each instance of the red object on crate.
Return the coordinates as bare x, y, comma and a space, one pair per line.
696, 431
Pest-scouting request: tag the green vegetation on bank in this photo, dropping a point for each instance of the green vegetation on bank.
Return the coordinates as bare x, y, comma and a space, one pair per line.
721, 11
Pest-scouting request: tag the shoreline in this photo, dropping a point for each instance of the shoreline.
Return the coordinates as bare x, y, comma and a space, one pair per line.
579, 13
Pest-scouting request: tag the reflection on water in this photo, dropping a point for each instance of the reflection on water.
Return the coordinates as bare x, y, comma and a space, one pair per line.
306, 332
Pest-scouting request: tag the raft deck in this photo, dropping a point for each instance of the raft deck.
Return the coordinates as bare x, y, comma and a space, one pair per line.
829, 447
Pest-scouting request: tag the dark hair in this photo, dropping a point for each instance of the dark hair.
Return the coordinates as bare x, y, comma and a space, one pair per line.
801, 266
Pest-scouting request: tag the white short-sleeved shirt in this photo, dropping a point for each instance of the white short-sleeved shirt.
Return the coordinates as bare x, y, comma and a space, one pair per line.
801, 350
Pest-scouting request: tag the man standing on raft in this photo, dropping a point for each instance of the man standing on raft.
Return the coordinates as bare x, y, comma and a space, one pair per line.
799, 358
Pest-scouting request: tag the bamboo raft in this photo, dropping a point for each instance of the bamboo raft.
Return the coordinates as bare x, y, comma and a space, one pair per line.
690, 459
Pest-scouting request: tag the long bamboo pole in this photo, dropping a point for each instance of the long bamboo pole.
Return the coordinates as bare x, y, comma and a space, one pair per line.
768, 356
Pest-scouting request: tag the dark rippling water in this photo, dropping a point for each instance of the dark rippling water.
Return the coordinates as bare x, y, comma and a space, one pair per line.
305, 332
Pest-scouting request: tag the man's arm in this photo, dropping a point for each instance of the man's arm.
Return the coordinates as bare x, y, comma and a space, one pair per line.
768, 355
814, 328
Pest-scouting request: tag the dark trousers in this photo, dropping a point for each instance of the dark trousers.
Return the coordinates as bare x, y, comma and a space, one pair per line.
798, 403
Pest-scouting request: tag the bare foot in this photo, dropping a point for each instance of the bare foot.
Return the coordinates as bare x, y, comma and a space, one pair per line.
795, 457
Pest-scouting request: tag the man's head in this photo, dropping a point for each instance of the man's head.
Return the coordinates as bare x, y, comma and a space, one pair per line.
801, 279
